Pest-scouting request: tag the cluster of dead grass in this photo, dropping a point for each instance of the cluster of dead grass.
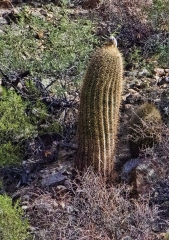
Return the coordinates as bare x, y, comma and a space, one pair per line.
92, 210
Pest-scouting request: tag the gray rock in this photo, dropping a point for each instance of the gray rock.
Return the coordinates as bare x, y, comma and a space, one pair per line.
134, 73
3, 21
128, 167
161, 81
127, 238
1, 31
143, 73
53, 179
159, 72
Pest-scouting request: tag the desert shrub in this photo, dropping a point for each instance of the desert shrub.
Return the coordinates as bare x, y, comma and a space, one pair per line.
15, 126
10, 154
14, 123
157, 48
12, 224
93, 211
49, 45
158, 14
157, 45
21, 120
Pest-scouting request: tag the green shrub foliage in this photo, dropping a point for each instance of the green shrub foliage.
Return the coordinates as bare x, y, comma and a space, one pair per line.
14, 123
12, 224
15, 126
158, 44
53, 45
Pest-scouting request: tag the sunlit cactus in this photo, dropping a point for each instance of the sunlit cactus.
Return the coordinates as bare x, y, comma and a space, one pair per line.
99, 109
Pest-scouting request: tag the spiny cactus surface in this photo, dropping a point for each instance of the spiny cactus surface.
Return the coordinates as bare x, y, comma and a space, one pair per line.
144, 128
99, 109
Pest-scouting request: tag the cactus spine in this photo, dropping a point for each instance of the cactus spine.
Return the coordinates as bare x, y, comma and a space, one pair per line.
99, 109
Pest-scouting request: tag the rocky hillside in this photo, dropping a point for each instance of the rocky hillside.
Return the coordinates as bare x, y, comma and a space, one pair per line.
45, 48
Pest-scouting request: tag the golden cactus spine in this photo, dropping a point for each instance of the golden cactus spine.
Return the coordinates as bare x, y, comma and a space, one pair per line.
99, 109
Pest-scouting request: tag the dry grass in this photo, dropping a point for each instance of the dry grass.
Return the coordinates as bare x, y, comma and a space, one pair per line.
92, 210
158, 155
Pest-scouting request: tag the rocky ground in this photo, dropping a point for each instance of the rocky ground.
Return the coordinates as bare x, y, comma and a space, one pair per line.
45, 185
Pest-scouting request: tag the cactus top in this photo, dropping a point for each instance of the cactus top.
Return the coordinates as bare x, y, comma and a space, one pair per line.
111, 41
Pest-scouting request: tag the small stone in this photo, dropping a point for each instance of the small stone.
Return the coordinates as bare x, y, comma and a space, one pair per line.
3, 21
144, 85
33, 229
157, 78
132, 90
143, 73
127, 238
133, 73
161, 81
26, 197
127, 97
167, 79
24, 207
159, 72
53, 179
157, 100
156, 194
128, 106
126, 73
20, 86
25, 203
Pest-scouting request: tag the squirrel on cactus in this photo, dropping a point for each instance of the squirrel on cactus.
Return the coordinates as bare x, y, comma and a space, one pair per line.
99, 109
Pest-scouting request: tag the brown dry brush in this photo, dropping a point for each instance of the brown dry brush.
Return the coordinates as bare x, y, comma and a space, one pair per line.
152, 167
92, 210
158, 155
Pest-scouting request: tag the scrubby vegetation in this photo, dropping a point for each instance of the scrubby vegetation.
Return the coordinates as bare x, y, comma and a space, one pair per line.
12, 224
14, 126
44, 52
47, 43
52, 48
95, 211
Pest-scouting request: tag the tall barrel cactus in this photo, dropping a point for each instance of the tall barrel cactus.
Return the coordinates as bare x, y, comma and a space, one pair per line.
99, 109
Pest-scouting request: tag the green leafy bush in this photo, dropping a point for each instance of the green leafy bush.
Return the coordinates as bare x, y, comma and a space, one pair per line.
158, 14
10, 154
14, 123
15, 126
48, 45
12, 224
162, 55
157, 45
20, 120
